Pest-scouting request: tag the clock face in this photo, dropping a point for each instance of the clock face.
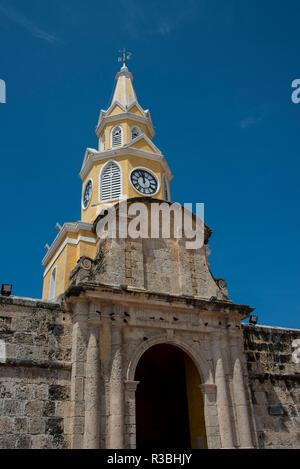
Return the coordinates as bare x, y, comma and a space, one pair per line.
143, 181
87, 194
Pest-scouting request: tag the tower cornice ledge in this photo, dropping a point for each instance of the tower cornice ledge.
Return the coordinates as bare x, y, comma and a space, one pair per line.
97, 291
91, 158
126, 115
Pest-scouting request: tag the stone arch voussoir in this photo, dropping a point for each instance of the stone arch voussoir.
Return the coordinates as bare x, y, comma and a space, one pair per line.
201, 364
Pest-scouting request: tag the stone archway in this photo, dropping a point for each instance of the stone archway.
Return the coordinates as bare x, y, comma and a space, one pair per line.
188, 408
203, 367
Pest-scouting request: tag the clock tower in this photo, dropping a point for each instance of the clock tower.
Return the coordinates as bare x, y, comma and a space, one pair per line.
126, 164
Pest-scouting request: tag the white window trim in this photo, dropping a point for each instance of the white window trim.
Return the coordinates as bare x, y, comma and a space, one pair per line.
153, 174
165, 181
83, 207
135, 127
52, 286
111, 136
102, 142
121, 182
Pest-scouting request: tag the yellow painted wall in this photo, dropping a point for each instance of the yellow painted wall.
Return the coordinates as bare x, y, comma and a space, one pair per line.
126, 125
195, 403
135, 110
66, 262
115, 110
127, 163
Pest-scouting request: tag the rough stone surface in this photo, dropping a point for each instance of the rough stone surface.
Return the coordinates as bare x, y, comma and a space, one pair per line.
67, 370
274, 383
34, 374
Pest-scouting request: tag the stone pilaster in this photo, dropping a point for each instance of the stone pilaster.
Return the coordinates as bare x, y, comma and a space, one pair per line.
226, 432
209, 392
240, 400
116, 415
92, 391
78, 374
130, 414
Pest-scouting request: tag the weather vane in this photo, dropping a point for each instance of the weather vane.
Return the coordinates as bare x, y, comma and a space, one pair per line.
125, 56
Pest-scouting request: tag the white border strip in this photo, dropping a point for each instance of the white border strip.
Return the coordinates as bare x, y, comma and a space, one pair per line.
69, 241
67, 227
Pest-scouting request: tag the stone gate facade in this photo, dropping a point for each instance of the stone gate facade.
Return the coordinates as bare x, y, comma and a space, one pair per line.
67, 368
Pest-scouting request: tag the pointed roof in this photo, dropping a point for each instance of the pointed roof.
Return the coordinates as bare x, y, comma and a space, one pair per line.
124, 101
124, 91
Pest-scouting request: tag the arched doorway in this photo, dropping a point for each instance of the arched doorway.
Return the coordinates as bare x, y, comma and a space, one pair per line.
169, 404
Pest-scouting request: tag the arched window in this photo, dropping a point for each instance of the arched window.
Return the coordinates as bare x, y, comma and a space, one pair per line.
52, 284
135, 132
116, 136
102, 146
166, 188
110, 181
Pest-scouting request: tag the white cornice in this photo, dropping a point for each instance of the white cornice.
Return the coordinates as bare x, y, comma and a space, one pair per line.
113, 104
88, 152
115, 153
125, 115
143, 137
67, 228
136, 104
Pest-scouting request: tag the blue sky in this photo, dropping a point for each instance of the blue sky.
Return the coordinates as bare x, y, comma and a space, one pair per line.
216, 77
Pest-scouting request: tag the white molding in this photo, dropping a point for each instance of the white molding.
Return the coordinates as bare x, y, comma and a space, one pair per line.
69, 241
125, 91
88, 152
136, 104
148, 171
67, 228
52, 287
116, 102
165, 181
102, 142
114, 153
140, 137
83, 207
125, 116
99, 181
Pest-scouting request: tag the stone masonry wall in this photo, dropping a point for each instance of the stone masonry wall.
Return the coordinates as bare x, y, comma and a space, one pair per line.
274, 382
35, 356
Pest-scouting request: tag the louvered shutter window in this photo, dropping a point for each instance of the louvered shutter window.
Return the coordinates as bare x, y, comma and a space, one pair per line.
116, 136
110, 184
135, 132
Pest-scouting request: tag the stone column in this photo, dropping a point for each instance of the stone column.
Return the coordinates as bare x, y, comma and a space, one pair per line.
225, 425
130, 414
92, 391
209, 392
116, 415
240, 400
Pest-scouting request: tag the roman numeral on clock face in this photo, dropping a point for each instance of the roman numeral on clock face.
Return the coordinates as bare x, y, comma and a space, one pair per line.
143, 181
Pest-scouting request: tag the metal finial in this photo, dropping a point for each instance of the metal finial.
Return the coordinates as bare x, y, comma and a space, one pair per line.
125, 56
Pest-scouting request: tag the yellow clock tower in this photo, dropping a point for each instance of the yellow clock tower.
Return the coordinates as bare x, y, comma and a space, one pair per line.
126, 164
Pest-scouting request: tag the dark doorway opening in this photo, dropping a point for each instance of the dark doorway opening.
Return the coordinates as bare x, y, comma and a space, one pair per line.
162, 415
